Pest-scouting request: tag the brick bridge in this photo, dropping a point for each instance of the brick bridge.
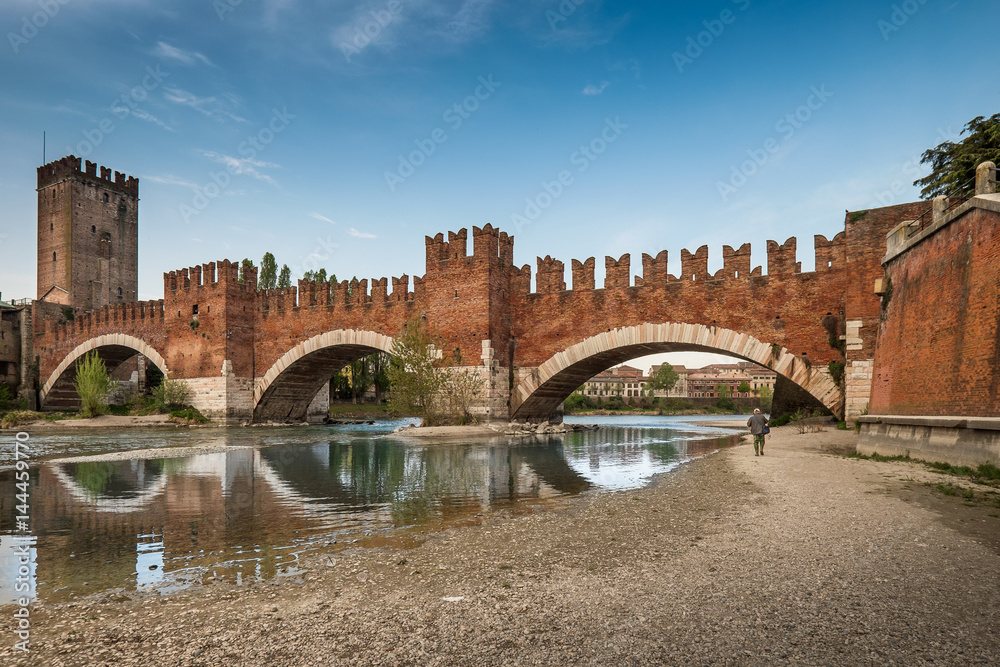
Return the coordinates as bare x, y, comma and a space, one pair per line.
251, 354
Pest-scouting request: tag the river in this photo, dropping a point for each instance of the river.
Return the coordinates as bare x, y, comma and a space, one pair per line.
247, 504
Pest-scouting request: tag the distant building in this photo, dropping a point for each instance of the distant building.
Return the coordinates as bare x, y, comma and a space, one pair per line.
623, 381
680, 388
627, 382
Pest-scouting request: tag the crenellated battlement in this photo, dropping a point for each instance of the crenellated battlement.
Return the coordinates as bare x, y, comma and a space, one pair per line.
213, 274
344, 294
781, 261
87, 324
70, 167
489, 245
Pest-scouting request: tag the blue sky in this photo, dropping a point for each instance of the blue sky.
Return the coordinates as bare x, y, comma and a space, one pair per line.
339, 134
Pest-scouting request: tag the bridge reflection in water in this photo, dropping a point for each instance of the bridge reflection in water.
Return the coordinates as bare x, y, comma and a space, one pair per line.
250, 512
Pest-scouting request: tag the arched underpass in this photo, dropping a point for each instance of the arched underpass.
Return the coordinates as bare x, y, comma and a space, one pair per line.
289, 386
59, 391
539, 395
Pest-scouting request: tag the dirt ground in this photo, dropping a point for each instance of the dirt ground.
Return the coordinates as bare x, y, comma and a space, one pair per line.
801, 556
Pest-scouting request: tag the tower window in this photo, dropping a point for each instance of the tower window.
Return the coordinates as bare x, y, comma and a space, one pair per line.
51, 227
53, 257
106, 198
194, 309
119, 292
93, 229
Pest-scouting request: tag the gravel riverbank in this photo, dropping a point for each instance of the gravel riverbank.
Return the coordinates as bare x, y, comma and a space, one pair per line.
798, 557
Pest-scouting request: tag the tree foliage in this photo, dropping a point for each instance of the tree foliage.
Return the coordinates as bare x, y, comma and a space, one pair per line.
413, 372
664, 378
744, 387
953, 164
422, 382
268, 278
766, 398
285, 277
92, 384
244, 265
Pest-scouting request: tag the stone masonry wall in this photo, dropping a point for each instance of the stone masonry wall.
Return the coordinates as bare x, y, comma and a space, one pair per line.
939, 340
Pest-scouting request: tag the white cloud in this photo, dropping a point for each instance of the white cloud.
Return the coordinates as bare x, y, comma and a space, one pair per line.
596, 90
243, 166
169, 52
360, 235
171, 180
141, 114
322, 217
209, 106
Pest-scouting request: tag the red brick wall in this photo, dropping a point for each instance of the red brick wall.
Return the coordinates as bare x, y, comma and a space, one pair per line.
939, 345
783, 307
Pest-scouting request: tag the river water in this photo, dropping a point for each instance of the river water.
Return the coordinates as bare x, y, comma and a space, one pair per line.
247, 504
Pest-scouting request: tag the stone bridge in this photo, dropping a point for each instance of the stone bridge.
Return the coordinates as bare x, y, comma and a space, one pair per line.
250, 354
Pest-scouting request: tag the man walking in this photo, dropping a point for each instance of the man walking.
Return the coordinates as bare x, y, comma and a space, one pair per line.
758, 427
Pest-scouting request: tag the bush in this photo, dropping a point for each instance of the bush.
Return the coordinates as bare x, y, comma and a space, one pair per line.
171, 394
92, 384
18, 417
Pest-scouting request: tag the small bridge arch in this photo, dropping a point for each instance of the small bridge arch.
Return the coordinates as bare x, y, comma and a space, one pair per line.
539, 394
113, 349
289, 385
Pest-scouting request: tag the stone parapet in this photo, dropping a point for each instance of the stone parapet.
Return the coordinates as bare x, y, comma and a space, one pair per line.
961, 441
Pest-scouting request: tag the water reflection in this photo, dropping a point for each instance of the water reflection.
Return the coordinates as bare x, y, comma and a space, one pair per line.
249, 510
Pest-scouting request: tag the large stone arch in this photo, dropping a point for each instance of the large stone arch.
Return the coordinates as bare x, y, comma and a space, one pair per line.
113, 349
539, 394
284, 392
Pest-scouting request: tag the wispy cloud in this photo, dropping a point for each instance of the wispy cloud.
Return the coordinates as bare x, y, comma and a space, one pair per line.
164, 50
243, 166
123, 111
322, 217
596, 90
438, 25
212, 107
171, 180
360, 235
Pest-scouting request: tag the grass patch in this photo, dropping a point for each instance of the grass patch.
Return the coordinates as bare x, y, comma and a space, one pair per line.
985, 473
189, 415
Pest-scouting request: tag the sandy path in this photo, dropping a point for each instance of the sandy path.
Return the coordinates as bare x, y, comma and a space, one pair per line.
798, 557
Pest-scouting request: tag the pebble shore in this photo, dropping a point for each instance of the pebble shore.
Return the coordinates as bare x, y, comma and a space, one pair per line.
801, 556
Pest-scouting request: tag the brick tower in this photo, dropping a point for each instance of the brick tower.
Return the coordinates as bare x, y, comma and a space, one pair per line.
88, 235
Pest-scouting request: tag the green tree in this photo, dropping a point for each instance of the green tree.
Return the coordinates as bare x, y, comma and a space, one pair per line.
744, 387
244, 265
723, 391
413, 372
92, 384
766, 397
321, 276
285, 277
664, 378
268, 278
953, 164
380, 374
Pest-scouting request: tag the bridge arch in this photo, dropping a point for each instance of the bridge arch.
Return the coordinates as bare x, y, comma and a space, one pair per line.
113, 349
289, 385
539, 394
